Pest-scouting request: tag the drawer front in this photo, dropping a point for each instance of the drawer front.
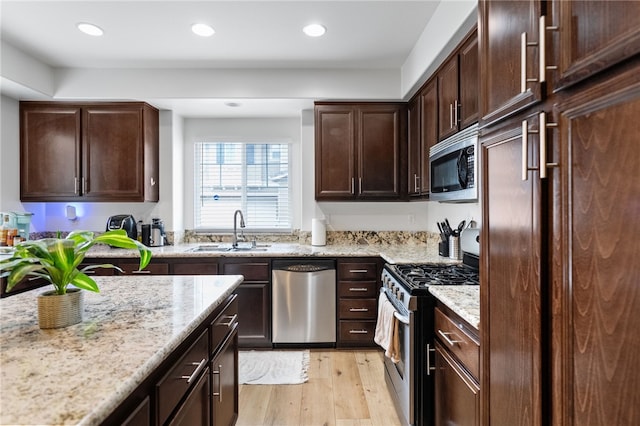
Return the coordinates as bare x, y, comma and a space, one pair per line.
360, 289
258, 271
151, 269
195, 268
224, 324
358, 308
184, 374
357, 271
360, 332
454, 338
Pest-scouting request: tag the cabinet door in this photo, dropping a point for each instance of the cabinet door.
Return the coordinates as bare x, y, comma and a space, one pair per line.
593, 36
224, 383
113, 153
457, 394
429, 126
596, 251
414, 150
49, 152
510, 280
195, 410
141, 415
468, 93
381, 145
254, 315
334, 150
500, 46
448, 99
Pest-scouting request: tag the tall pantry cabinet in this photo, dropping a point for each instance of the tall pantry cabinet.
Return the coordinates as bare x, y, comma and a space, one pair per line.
560, 158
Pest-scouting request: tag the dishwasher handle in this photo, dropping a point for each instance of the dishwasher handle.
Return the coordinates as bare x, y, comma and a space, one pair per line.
302, 265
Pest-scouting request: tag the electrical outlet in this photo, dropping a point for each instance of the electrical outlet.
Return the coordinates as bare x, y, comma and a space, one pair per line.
411, 218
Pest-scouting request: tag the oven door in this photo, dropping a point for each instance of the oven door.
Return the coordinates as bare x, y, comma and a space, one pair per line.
400, 376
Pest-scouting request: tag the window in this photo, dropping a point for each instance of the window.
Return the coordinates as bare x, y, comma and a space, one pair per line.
247, 176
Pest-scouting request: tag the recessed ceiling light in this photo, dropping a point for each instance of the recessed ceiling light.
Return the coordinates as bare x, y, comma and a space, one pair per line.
92, 30
202, 30
314, 30
232, 104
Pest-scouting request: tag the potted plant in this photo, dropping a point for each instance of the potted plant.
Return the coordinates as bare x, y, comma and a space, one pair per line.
57, 260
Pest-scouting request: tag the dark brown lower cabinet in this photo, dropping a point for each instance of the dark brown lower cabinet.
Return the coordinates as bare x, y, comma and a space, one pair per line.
141, 416
457, 392
194, 410
224, 383
254, 299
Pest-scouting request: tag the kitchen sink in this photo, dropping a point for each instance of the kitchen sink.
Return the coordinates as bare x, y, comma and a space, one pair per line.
228, 248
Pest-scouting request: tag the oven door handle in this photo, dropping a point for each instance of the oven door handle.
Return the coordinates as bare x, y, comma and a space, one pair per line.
404, 320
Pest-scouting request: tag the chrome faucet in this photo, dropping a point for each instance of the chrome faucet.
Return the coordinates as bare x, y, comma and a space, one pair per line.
234, 242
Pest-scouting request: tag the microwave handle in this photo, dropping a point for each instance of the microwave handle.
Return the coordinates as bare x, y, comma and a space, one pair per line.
463, 176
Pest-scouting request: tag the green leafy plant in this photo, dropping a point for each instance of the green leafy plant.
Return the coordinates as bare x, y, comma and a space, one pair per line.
57, 259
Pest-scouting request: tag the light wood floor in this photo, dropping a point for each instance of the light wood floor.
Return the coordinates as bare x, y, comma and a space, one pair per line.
345, 388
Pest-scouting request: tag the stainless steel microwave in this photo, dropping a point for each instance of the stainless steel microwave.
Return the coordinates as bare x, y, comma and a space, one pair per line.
454, 169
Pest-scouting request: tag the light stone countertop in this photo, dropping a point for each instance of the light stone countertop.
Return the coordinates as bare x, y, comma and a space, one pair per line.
396, 253
80, 374
464, 300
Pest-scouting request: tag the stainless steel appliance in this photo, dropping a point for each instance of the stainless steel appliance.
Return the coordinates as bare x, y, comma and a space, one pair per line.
158, 236
304, 301
454, 167
123, 221
411, 380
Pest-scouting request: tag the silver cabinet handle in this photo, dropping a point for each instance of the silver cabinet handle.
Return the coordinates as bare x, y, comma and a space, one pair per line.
358, 289
358, 310
196, 372
219, 373
543, 145
359, 185
416, 179
358, 332
456, 105
358, 271
543, 48
542, 52
446, 338
141, 272
232, 320
75, 185
450, 116
84, 186
525, 143
429, 367
352, 185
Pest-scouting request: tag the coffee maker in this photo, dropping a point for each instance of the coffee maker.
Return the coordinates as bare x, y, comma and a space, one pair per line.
123, 221
153, 235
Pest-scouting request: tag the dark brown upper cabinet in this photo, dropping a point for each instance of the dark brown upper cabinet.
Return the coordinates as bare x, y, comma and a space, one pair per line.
360, 151
458, 88
423, 134
89, 152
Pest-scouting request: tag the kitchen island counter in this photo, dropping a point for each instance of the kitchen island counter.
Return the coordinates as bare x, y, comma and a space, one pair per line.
80, 374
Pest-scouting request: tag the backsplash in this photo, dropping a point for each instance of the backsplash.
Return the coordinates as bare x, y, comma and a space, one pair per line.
333, 237
298, 237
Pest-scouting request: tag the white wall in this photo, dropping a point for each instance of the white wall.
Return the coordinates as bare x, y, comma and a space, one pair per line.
284, 130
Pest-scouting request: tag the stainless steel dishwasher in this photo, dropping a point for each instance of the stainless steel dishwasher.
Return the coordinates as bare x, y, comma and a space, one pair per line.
304, 301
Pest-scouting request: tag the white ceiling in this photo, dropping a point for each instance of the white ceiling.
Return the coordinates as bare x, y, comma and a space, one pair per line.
249, 34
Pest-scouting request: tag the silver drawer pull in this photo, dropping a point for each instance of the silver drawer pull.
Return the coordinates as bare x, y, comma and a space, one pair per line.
358, 271
358, 332
196, 372
446, 338
140, 272
358, 289
358, 310
231, 321
219, 373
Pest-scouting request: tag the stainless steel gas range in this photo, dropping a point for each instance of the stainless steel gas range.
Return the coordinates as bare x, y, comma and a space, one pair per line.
411, 380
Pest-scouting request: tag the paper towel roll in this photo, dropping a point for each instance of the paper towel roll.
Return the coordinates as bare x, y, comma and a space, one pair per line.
318, 232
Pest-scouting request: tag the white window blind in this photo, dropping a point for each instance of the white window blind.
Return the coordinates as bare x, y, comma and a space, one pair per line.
252, 177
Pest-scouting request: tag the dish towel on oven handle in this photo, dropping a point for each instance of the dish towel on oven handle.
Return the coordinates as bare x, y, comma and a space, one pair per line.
386, 334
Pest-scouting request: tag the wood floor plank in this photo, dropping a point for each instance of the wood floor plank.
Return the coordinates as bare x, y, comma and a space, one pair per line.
371, 369
320, 364
284, 406
348, 394
253, 404
317, 403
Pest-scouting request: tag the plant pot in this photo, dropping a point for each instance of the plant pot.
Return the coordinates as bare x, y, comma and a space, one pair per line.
60, 310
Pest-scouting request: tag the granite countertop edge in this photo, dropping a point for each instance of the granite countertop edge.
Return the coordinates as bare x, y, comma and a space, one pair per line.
464, 300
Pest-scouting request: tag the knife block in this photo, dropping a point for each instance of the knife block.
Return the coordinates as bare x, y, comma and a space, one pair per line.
443, 248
